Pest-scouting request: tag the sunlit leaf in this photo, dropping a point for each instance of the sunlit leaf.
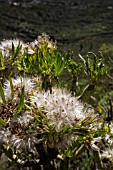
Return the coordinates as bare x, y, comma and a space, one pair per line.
15, 52
2, 93
21, 103
12, 88
3, 122
2, 61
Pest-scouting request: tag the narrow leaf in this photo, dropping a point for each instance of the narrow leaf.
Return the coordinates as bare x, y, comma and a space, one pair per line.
82, 58
3, 122
2, 93
15, 52
21, 104
12, 88
2, 60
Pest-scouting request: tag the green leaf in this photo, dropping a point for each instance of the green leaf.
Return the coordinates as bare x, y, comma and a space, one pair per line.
2, 93
82, 58
3, 122
15, 52
98, 160
79, 151
21, 104
95, 66
73, 68
12, 88
2, 61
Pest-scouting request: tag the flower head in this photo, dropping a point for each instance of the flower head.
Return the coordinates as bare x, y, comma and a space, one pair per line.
18, 83
15, 133
45, 40
6, 47
60, 107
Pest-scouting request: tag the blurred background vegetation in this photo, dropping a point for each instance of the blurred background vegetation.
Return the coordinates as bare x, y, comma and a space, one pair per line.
77, 25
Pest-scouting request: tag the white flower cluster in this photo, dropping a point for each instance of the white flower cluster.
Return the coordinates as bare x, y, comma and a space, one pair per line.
6, 47
14, 135
45, 39
18, 141
18, 83
62, 111
60, 107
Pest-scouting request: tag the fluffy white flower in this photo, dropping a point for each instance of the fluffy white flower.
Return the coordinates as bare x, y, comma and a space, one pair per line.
45, 39
27, 82
60, 107
25, 119
6, 46
61, 110
14, 134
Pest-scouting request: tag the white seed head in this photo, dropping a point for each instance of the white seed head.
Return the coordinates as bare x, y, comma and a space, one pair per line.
60, 107
6, 47
43, 40
18, 83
